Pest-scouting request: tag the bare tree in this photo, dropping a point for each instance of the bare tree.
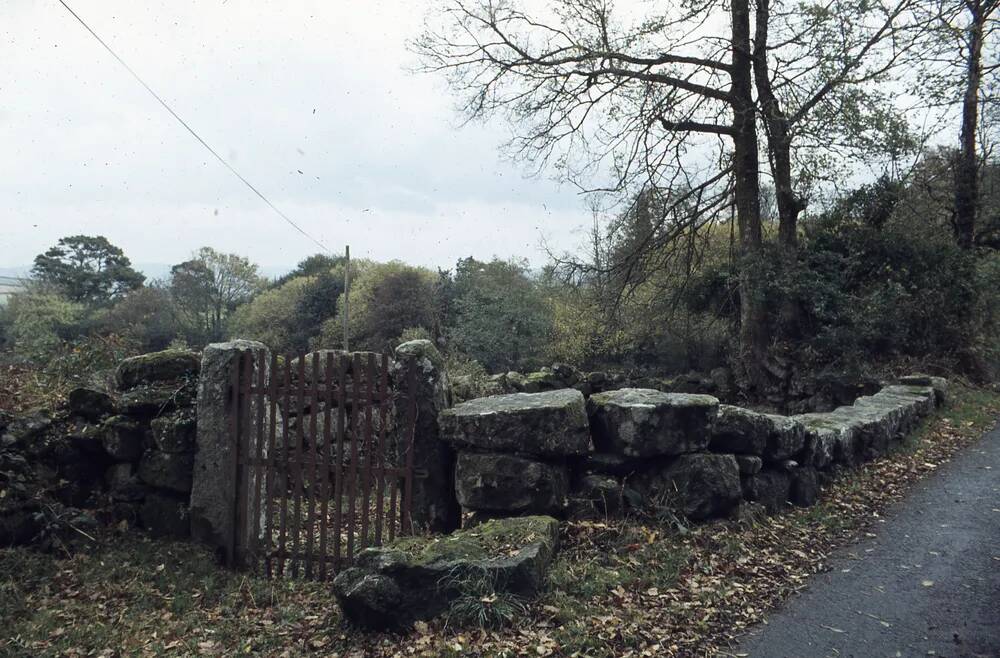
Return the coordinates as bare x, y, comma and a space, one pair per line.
980, 24
817, 71
960, 64
663, 103
667, 103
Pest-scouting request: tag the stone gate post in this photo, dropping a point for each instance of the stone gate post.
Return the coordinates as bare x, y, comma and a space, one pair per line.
435, 507
213, 494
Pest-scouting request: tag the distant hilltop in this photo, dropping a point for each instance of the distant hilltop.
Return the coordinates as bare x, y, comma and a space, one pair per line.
152, 271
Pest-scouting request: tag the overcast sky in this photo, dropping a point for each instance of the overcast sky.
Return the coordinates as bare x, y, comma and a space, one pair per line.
278, 88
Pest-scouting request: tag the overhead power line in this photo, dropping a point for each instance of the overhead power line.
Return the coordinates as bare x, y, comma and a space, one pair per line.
187, 127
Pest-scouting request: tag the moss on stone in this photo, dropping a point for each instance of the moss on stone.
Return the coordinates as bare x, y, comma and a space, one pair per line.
495, 538
420, 348
542, 380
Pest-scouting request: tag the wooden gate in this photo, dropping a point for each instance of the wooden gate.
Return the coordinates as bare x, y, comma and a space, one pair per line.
324, 460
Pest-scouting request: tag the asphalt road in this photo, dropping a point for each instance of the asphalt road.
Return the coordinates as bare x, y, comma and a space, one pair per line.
928, 583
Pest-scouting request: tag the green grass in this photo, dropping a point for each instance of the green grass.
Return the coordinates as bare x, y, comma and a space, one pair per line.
134, 595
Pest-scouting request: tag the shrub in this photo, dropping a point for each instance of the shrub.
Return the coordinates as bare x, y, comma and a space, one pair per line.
271, 316
498, 315
144, 317
864, 294
387, 299
41, 321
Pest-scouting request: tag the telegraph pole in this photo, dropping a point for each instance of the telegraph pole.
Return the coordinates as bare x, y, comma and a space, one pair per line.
347, 294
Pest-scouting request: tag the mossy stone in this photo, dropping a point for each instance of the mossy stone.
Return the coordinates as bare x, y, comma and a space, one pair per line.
163, 366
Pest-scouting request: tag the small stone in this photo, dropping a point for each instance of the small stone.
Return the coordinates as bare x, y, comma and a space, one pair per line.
922, 397
597, 378
786, 439
175, 432
805, 487
569, 375
873, 429
749, 464
369, 600
20, 522
700, 485
828, 439
769, 488
86, 436
90, 403
515, 381
119, 475
597, 496
749, 514
23, 429
939, 384
122, 438
166, 470
541, 381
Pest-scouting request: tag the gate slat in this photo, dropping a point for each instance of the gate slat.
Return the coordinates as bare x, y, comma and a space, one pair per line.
311, 498
269, 466
243, 546
283, 478
327, 450
369, 368
355, 435
338, 479
394, 483
380, 453
297, 473
259, 399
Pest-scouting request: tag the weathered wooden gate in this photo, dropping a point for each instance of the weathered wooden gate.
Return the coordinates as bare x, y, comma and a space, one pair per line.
324, 460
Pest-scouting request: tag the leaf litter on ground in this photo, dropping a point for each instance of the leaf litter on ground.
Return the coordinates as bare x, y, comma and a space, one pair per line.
617, 588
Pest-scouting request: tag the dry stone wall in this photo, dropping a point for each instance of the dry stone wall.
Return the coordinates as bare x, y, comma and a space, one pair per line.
804, 393
556, 452
151, 440
122, 452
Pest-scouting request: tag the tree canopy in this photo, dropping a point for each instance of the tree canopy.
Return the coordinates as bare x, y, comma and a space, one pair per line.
209, 287
87, 269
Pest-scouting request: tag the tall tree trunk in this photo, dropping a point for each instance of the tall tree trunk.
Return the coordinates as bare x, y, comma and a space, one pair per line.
779, 139
966, 169
753, 314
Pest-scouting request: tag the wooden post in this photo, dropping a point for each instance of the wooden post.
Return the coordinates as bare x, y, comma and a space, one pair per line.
347, 294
